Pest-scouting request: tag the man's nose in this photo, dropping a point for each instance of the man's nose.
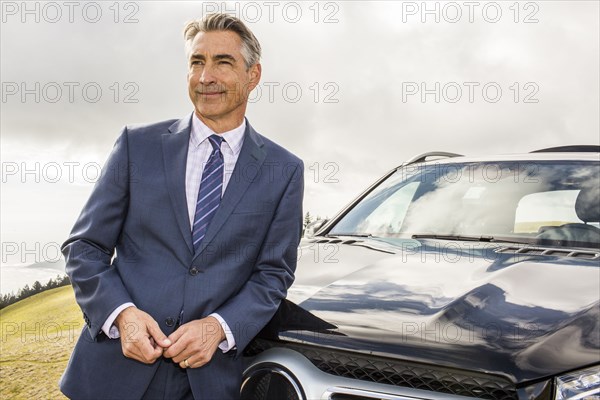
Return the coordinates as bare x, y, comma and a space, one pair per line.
207, 75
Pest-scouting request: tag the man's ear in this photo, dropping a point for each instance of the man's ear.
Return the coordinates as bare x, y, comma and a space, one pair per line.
255, 73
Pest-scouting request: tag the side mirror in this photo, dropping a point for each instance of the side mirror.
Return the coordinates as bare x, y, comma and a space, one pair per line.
313, 227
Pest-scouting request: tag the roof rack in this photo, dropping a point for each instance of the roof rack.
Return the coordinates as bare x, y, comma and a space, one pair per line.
423, 157
570, 149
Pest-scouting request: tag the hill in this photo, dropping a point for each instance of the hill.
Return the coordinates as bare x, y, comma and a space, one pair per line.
37, 337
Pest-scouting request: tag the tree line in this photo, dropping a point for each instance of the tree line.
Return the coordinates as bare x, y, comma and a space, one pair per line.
37, 287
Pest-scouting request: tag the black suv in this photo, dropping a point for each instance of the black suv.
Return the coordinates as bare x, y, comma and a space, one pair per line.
450, 277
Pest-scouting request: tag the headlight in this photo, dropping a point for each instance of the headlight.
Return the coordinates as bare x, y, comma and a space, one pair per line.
579, 385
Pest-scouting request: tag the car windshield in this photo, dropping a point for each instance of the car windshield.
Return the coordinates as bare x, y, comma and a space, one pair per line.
541, 202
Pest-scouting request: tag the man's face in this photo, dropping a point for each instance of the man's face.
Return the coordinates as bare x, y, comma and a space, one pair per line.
218, 81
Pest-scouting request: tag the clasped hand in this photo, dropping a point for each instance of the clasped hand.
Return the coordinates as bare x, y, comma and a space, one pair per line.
191, 346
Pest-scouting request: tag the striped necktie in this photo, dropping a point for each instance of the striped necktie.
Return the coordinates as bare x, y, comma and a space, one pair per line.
209, 194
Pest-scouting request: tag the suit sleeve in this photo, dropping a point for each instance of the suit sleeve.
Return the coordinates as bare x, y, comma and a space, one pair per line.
90, 247
255, 304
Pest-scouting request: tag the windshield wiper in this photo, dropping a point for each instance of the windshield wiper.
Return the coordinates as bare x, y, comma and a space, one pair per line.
369, 244
362, 235
453, 237
466, 238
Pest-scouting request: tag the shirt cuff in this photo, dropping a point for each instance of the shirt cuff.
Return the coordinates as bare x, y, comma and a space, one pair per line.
229, 342
109, 327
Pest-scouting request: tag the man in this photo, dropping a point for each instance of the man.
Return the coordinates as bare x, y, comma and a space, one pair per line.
204, 215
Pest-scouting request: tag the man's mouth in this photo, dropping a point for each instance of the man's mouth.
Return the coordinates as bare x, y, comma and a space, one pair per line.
211, 93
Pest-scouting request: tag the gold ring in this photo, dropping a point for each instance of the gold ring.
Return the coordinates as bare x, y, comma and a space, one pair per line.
185, 362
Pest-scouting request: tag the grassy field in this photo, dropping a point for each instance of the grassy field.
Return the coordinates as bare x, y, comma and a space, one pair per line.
38, 334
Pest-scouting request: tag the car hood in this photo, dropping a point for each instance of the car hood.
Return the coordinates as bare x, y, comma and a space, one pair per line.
456, 304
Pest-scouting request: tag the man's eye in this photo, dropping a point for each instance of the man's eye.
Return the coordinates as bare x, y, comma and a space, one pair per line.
224, 62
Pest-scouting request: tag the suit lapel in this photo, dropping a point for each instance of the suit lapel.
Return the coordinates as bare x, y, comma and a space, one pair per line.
250, 159
175, 149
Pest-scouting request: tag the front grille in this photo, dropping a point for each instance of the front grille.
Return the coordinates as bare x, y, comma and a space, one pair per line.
399, 373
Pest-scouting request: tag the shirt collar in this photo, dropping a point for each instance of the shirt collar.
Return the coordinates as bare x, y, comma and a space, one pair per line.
233, 138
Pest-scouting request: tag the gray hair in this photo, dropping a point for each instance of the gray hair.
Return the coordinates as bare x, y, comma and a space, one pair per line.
223, 22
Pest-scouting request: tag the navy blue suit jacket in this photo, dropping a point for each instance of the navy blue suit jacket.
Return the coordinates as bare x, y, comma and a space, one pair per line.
133, 243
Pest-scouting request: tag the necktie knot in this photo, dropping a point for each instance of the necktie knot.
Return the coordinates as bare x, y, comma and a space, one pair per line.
215, 141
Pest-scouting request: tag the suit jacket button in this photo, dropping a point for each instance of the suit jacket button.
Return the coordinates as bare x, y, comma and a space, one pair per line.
194, 271
170, 322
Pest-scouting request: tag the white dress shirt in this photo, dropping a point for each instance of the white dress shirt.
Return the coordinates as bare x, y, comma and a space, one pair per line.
198, 153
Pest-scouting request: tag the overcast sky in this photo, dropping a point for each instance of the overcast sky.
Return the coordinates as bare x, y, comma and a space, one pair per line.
352, 87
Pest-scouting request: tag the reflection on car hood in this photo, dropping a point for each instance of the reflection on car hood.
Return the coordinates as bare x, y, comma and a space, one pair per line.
462, 305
